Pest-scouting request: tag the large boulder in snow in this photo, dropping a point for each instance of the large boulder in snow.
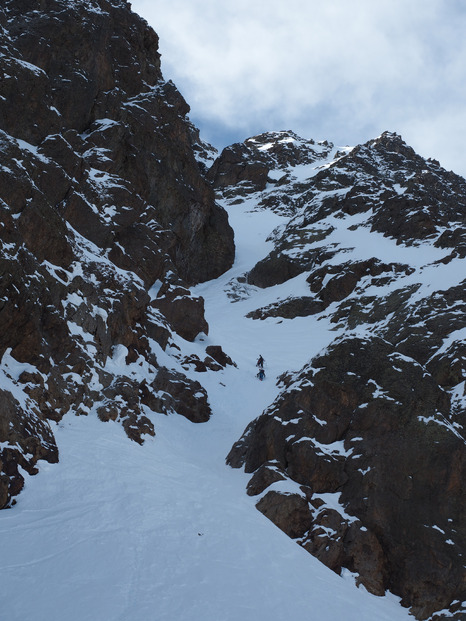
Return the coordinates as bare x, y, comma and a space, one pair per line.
184, 312
176, 393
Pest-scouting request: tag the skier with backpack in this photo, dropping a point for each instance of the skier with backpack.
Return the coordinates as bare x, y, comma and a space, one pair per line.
260, 364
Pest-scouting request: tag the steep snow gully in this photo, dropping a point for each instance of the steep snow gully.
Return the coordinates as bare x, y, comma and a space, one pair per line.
165, 532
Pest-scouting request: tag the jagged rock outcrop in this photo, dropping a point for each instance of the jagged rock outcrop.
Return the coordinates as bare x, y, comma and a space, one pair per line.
362, 456
101, 198
366, 435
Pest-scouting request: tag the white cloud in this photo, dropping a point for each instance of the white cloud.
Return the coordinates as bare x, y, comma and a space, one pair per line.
343, 70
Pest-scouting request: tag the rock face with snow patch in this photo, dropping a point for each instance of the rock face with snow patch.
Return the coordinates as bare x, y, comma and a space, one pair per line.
248, 167
362, 456
101, 196
392, 189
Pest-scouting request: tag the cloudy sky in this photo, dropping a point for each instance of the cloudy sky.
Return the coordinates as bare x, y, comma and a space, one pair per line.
341, 70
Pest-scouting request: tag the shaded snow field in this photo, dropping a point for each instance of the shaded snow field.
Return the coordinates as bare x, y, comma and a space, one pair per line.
166, 532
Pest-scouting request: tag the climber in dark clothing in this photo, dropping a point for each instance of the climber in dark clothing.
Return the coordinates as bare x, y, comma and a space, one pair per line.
261, 374
260, 362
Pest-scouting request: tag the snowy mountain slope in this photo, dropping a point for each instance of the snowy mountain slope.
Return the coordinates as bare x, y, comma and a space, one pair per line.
164, 530
348, 279
105, 219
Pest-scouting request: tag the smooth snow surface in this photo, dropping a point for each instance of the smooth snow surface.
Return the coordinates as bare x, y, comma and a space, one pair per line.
166, 532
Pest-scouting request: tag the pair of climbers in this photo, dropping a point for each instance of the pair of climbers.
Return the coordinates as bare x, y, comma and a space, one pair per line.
260, 363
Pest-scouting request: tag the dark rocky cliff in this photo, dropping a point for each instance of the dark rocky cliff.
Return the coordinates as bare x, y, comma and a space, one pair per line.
101, 196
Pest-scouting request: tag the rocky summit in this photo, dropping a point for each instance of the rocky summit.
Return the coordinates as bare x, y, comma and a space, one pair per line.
113, 222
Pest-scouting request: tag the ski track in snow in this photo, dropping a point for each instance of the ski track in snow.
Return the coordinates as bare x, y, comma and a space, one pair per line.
166, 532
